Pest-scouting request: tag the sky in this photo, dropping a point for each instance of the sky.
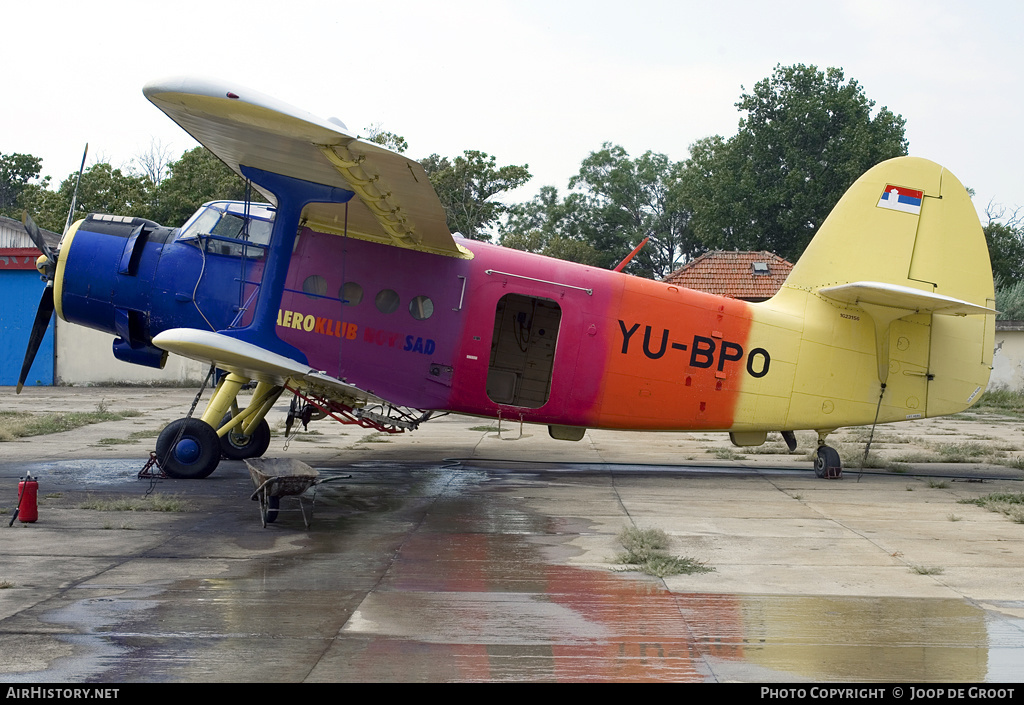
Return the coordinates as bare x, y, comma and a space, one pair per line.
536, 82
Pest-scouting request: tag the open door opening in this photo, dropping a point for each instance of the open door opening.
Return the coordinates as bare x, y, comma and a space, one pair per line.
523, 351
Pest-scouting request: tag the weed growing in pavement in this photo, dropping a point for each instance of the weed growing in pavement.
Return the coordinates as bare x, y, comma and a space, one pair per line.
648, 550
153, 503
19, 424
1010, 504
1002, 400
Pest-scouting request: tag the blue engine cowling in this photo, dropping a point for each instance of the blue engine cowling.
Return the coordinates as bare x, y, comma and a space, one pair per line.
134, 278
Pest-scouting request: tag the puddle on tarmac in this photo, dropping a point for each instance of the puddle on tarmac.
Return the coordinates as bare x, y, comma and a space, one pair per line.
853, 638
440, 575
479, 611
74, 474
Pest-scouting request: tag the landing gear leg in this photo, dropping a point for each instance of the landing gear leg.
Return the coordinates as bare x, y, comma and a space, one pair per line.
243, 434
827, 463
191, 448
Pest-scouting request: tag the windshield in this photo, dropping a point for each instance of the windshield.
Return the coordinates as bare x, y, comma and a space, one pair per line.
223, 229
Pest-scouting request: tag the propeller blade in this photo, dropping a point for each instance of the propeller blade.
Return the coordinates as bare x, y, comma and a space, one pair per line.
37, 237
39, 327
74, 196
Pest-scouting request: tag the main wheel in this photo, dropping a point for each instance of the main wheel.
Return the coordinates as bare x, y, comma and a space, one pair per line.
235, 446
827, 458
193, 455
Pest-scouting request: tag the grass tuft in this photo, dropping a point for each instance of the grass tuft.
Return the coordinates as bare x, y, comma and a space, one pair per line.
1003, 400
648, 550
927, 570
1010, 504
152, 503
21, 424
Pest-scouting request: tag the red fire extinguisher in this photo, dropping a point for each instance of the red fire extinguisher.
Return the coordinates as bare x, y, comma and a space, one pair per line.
28, 510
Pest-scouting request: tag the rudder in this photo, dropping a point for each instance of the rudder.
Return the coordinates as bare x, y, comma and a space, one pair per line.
905, 240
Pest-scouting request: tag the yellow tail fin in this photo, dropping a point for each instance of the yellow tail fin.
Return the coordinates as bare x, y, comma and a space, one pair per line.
905, 248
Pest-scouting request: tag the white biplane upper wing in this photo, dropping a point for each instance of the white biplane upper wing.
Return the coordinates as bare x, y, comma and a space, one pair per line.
394, 204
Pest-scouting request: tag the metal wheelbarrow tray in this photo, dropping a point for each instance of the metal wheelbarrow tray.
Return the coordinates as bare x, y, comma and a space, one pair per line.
274, 478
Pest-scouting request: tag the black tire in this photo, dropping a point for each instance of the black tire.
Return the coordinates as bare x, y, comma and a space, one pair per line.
194, 455
234, 447
273, 504
826, 458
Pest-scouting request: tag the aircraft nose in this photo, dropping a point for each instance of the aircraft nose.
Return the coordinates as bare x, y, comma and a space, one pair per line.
104, 280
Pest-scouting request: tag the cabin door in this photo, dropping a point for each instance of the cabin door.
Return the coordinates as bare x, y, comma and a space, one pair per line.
523, 351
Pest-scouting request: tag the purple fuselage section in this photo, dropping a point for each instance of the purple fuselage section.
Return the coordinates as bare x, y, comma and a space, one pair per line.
416, 328
381, 318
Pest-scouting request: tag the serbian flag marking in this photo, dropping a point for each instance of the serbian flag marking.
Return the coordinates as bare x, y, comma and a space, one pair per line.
902, 199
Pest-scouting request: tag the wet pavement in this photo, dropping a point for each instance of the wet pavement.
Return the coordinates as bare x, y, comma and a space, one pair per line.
494, 569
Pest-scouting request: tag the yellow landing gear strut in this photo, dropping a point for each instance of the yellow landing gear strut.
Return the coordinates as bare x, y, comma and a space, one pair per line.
243, 433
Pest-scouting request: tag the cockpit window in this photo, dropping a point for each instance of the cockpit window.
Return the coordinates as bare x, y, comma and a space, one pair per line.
222, 229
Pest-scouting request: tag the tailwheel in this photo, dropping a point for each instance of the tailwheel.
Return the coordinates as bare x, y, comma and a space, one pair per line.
235, 446
188, 449
827, 463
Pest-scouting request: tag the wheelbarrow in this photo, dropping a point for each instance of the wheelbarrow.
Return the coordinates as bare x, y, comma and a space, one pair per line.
274, 478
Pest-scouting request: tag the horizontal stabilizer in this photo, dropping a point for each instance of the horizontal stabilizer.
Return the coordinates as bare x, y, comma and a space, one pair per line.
902, 297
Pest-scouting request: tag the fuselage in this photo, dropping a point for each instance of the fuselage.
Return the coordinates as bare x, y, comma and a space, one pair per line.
505, 333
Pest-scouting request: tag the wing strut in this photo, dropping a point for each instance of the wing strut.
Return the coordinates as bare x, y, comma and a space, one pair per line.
292, 196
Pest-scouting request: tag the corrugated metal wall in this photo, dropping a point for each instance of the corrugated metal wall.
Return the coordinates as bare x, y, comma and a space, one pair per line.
12, 234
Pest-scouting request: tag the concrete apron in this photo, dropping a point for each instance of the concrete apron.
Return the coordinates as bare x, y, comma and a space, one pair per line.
416, 569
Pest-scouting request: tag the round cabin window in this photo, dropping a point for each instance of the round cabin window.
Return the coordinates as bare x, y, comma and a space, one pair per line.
387, 301
351, 294
421, 308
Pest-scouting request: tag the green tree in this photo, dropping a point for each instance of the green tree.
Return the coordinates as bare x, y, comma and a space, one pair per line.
197, 177
634, 199
805, 137
547, 225
467, 186
1004, 235
16, 170
1010, 301
47, 207
1006, 251
103, 189
378, 135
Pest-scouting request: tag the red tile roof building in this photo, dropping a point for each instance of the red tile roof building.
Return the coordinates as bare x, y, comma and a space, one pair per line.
751, 276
